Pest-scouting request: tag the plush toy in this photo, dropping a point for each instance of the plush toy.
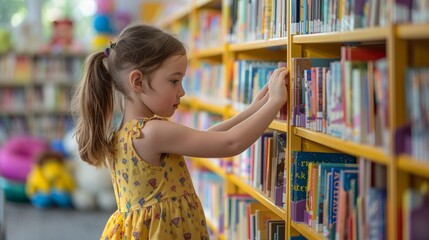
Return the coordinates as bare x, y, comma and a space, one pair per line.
49, 182
94, 188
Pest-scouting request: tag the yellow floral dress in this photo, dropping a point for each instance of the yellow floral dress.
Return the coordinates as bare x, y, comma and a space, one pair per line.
154, 202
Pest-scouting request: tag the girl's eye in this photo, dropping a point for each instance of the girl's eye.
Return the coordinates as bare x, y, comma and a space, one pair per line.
175, 82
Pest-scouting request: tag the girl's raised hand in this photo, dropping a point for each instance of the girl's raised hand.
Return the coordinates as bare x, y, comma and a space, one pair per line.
277, 84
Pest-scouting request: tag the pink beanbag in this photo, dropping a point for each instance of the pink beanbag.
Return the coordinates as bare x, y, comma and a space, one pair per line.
17, 156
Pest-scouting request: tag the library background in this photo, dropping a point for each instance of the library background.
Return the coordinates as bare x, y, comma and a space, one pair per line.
346, 157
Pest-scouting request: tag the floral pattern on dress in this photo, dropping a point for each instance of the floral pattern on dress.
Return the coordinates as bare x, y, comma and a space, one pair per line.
154, 202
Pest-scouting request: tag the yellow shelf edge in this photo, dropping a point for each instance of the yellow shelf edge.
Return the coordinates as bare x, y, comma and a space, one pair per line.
260, 44
211, 52
306, 231
205, 162
258, 196
202, 3
411, 165
372, 153
279, 125
358, 35
212, 226
413, 31
201, 105
210, 107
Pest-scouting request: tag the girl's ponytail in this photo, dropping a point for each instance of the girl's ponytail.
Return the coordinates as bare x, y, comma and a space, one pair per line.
92, 108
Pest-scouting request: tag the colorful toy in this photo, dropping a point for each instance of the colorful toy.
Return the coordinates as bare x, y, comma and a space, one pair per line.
49, 182
17, 156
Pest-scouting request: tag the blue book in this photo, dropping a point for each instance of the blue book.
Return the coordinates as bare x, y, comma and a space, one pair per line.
348, 179
376, 208
324, 168
334, 194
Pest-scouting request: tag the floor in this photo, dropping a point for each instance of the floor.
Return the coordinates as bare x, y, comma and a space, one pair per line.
23, 222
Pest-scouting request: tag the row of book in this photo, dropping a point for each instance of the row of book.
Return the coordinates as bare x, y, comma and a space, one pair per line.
211, 190
262, 166
209, 29
13, 99
257, 20
337, 195
43, 98
47, 127
26, 68
248, 219
417, 93
319, 16
415, 11
346, 98
207, 83
248, 78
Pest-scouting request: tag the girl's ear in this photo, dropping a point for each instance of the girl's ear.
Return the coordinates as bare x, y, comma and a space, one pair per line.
136, 81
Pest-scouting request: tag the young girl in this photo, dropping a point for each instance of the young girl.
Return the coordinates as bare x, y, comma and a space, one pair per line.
154, 192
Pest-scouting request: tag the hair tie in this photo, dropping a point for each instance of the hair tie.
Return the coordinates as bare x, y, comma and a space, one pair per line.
106, 52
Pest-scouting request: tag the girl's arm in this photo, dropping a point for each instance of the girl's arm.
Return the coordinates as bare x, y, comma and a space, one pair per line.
169, 137
260, 99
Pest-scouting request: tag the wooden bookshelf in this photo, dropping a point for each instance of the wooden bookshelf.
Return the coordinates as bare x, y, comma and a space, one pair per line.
401, 42
358, 35
279, 125
372, 153
210, 166
413, 31
307, 231
257, 195
261, 44
214, 228
208, 53
37, 93
408, 164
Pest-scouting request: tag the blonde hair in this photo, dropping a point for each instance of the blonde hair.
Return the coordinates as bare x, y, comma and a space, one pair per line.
139, 47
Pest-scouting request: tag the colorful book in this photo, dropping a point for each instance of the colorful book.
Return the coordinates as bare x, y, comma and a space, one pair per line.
299, 65
324, 168
334, 195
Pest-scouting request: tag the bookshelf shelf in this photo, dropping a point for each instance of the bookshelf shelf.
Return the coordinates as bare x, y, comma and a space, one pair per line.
207, 3
413, 31
410, 165
372, 153
51, 112
13, 112
258, 196
307, 231
204, 106
210, 166
210, 107
358, 35
279, 125
206, 53
11, 83
64, 83
213, 227
271, 43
